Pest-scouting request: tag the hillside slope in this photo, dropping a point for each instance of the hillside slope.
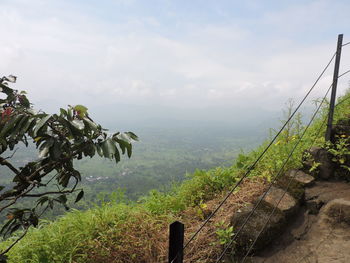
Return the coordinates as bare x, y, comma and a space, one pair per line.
119, 231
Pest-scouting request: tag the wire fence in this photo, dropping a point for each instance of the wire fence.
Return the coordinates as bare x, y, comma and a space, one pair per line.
290, 179
270, 186
275, 178
285, 191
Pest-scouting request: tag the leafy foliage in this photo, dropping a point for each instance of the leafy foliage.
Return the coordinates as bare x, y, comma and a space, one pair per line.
340, 151
59, 139
97, 232
224, 233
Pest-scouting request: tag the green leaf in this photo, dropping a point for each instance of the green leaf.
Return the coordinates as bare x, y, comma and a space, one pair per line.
67, 125
3, 88
80, 110
108, 148
50, 203
89, 149
79, 124
132, 135
42, 200
40, 124
24, 101
14, 228
34, 220
93, 126
3, 145
124, 145
99, 150
77, 175
45, 147
116, 155
62, 199
69, 114
105, 149
11, 78
26, 126
10, 125
63, 179
79, 196
63, 112
129, 149
16, 132
2, 231
125, 137
55, 151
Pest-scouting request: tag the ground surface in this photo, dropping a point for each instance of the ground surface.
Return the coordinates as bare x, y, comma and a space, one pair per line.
319, 233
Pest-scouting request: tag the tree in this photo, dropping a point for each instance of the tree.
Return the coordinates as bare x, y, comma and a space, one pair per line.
59, 139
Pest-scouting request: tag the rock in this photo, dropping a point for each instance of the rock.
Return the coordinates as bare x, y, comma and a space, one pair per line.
301, 177
287, 204
294, 187
321, 191
337, 212
320, 155
254, 225
313, 206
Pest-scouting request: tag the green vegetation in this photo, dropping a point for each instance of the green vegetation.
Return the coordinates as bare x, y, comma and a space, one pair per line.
59, 139
122, 231
156, 164
224, 233
340, 152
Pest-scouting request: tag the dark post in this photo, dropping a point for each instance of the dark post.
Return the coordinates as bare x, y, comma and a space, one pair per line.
334, 88
176, 242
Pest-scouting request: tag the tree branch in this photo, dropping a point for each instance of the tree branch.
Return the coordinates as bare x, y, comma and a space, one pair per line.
16, 198
49, 193
9, 157
14, 243
54, 192
3, 161
29, 179
54, 164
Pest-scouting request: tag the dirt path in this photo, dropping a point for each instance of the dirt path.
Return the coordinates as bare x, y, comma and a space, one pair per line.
319, 233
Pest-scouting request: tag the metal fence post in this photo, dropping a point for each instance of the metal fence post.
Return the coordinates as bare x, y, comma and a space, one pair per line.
334, 88
176, 241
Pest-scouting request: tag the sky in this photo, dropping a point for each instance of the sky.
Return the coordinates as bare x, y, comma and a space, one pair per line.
133, 61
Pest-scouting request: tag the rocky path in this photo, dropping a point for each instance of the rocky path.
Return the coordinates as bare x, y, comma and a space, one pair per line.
319, 233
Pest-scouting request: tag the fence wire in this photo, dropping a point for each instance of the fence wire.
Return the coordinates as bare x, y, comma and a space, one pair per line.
291, 178
345, 44
276, 177
257, 160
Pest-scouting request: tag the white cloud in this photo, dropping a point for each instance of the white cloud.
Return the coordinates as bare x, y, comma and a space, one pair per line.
70, 58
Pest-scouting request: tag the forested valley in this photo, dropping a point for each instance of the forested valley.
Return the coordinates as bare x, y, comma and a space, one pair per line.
161, 159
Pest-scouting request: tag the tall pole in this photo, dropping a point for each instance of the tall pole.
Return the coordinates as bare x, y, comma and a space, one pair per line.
334, 88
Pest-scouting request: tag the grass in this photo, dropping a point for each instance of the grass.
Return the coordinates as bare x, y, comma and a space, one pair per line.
117, 231
77, 236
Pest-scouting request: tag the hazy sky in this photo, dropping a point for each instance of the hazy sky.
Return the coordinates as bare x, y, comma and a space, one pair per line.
125, 57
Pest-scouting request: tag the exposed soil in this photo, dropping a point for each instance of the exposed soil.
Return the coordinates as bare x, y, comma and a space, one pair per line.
319, 233
206, 247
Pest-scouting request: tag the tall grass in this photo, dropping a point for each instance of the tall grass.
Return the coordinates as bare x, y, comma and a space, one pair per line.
119, 232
